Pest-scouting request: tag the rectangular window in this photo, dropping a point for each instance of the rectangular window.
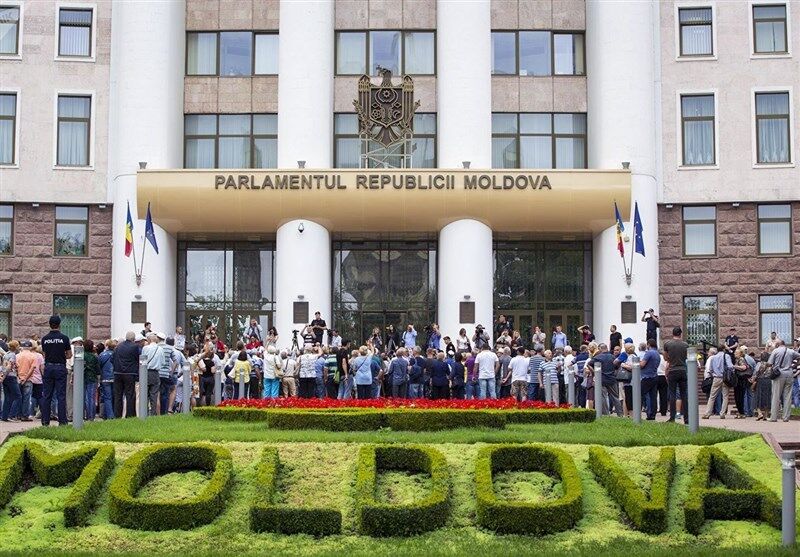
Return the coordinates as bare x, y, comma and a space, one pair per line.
538, 140
235, 53
700, 319
6, 229
201, 54
774, 229
538, 53
5, 314
8, 127
772, 128
403, 52
72, 231
696, 31
776, 315
347, 144
230, 141
9, 30
72, 310
699, 231
231, 53
266, 54
75, 32
769, 29
74, 121
697, 130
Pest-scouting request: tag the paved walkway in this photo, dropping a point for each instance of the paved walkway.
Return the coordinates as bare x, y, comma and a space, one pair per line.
10, 428
789, 430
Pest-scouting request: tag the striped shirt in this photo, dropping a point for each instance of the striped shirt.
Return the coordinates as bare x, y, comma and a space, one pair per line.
549, 369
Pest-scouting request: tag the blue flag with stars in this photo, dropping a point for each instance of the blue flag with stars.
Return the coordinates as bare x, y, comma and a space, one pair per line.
149, 231
638, 231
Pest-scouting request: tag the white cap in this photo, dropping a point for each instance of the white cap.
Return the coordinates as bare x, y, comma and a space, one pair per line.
161, 335
76, 339
139, 338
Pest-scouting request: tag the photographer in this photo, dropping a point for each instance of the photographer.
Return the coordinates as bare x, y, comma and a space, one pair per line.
254, 330
501, 326
272, 337
481, 338
434, 337
309, 335
375, 341
653, 325
335, 338
462, 342
392, 339
537, 338
410, 337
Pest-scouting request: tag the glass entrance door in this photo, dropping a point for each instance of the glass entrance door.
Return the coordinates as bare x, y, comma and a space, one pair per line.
196, 321
569, 321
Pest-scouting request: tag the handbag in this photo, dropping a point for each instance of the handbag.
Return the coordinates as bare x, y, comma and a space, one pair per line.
776, 370
706, 386
624, 375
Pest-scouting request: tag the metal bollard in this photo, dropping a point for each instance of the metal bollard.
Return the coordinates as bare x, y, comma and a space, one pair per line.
217, 388
789, 502
186, 405
691, 390
571, 388
241, 386
598, 390
636, 387
77, 387
142, 387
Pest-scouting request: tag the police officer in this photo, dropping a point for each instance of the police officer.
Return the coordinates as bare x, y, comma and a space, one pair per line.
57, 350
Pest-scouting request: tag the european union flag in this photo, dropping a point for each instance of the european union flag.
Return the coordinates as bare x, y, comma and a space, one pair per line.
149, 231
638, 231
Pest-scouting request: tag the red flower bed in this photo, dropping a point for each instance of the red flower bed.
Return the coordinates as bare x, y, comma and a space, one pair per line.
421, 403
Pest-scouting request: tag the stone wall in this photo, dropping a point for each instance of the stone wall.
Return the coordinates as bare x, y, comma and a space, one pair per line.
33, 274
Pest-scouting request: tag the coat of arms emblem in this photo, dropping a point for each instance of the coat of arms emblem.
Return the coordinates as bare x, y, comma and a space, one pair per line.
386, 111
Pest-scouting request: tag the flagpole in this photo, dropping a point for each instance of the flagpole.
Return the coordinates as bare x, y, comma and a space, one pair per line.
141, 267
135, 268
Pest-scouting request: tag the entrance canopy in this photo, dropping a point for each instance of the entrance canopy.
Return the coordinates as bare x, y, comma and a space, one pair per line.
378, 200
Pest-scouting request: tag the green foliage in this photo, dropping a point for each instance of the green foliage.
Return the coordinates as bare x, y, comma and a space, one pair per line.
231, 414
522, 517
12, 466
129, 511
556, 416
58, 469
380, 519
744, 497
86, 491
647, 514
439, 419
266, 516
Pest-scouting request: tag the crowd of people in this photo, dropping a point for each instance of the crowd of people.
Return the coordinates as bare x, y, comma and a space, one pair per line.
37, 373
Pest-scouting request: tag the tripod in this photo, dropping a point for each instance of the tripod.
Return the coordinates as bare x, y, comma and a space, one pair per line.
295, 345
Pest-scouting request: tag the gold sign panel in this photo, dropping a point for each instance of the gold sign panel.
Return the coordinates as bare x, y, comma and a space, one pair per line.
401, 200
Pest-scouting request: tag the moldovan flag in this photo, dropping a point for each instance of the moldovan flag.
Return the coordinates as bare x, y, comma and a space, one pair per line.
620, 230
129, 233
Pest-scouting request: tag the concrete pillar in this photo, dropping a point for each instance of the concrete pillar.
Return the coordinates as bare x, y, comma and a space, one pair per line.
305, 87
145, 124
302, 268
622, 123
464, 82
465, 269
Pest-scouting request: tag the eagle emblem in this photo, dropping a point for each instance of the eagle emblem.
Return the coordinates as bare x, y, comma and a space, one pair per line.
385, 111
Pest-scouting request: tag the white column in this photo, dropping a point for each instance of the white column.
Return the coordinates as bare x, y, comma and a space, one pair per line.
145, 124
622, 55
302, 268
466, 269
464, 82
305, 87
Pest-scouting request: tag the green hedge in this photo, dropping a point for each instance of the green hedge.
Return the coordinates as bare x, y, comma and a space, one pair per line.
648, 514
129, 511
88, 486
376, 518
520, 517
266, 516
744, 497
12, 466
57, 470
398, 419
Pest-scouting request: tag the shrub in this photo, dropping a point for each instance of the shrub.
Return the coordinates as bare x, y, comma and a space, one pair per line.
521, 517
88, 486
58, 469
744, 497
554, 416
648, 514
266, 516
376, 518
129, 511
358, 420
230, 413
12, 467
436, 420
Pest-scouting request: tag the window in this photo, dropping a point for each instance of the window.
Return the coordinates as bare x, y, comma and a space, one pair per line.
697, 130
774, 229
696, 31
231, 53
538, 140
769, 29
775, 315
540, 53
6, 229
72, 310
75, 32
8, 127
347, 144
5, 314
699, 231
700, 319
403, 52
772, 128
74, 118
231, 141
72, 231
9, 30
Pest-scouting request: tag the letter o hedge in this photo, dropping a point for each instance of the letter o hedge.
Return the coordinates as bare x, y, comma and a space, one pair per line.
129, 511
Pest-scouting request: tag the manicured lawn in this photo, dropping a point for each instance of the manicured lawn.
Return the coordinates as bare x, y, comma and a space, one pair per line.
609, 431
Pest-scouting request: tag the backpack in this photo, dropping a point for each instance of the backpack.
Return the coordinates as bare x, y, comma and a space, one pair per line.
729, 376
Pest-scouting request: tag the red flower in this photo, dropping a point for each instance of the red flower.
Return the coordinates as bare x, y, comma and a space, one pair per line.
420, 403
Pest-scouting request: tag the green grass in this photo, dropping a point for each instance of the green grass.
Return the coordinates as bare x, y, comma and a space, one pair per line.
610, 431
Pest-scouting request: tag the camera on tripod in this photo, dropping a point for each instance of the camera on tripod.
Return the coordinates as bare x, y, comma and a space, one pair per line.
428, 328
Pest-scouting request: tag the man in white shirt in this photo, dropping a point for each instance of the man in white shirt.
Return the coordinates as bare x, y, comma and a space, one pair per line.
519, 375
180, 339
488, 364
153, 354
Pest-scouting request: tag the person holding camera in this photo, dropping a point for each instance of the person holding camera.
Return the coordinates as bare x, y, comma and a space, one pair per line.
653, 325
537, 339
481, 338
434, 336
375, 341
462, 342
410, 337
392, 339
